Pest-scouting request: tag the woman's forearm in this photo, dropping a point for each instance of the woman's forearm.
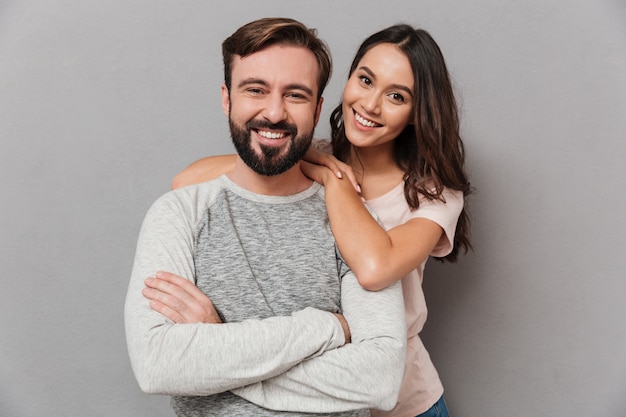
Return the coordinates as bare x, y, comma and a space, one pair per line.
377, 256
203, 170
362, 241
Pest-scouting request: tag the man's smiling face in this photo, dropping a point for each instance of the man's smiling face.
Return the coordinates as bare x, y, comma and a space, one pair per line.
273, 107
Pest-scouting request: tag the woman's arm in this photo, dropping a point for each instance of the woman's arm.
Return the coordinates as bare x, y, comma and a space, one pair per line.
377, 257
204, 169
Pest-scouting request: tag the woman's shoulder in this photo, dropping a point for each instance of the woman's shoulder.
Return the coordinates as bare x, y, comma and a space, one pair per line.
445, 209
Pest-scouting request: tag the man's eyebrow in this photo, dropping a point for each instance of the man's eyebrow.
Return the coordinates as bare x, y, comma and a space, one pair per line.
249, 81
398, 86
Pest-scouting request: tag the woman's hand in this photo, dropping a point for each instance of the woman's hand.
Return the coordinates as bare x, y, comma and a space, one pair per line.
179, 299
318, 164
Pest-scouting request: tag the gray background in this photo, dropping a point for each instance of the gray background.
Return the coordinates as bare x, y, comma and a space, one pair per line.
102, 102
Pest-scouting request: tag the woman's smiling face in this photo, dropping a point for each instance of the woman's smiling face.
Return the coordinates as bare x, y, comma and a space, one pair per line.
378, 97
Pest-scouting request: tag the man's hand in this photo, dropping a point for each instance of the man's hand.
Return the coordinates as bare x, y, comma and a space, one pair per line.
179, 299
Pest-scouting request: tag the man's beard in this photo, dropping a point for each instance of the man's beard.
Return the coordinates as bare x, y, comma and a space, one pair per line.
269, 163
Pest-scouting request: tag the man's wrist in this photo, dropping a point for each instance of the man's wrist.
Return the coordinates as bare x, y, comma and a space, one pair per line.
345, 327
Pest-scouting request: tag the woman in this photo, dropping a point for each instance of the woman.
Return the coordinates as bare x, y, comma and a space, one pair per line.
397, 129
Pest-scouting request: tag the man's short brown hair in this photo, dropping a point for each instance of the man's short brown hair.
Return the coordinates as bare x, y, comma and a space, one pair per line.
262, 33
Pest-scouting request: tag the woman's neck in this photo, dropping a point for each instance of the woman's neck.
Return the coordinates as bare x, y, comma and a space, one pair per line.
376, 169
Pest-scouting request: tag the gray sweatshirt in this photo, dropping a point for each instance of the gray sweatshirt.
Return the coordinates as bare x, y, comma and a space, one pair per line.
271, 268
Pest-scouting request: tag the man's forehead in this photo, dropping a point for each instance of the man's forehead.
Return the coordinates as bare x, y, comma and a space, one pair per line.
278, 65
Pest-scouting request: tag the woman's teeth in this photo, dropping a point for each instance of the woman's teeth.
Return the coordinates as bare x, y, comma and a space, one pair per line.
364, 121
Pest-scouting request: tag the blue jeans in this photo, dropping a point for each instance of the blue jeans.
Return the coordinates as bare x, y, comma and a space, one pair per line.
437, 410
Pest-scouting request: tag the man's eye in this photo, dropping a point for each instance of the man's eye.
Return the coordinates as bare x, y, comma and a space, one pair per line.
255, 91
297, 97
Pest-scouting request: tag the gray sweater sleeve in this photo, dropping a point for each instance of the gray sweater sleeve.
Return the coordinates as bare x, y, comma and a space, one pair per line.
204, 359
363, 374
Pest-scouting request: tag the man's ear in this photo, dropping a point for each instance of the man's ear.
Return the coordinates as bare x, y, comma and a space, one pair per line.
318, 110
225, 100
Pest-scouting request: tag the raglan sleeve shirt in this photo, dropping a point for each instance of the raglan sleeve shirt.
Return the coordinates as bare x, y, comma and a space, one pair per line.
204, 359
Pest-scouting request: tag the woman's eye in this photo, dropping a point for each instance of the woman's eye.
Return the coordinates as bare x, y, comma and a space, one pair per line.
397, 97
365, 80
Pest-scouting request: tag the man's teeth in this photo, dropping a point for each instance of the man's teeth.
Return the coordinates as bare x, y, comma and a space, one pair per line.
271, 135
364, 121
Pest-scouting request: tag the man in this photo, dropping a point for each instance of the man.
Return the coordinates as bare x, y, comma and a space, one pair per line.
257, 242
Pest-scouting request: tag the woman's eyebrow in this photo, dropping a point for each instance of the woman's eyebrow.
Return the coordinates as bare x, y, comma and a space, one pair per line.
371, 74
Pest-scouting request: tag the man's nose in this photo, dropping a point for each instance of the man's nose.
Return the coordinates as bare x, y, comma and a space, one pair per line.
275, 110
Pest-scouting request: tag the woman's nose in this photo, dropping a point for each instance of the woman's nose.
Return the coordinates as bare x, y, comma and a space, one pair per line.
371, 103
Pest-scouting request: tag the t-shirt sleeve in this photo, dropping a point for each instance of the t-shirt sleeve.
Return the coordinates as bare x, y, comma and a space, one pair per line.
445, 215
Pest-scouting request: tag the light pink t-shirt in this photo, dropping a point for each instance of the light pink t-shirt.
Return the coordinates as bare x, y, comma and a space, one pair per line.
421, 386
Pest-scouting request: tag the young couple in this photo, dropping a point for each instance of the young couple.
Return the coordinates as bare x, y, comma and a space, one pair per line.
395, 145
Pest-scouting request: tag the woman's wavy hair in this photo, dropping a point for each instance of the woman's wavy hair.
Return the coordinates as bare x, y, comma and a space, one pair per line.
430, 149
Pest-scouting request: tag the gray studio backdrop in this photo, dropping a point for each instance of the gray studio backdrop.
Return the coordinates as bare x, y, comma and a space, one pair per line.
102, 102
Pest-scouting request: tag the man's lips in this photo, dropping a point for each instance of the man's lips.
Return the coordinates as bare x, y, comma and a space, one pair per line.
271, 135
271, 138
